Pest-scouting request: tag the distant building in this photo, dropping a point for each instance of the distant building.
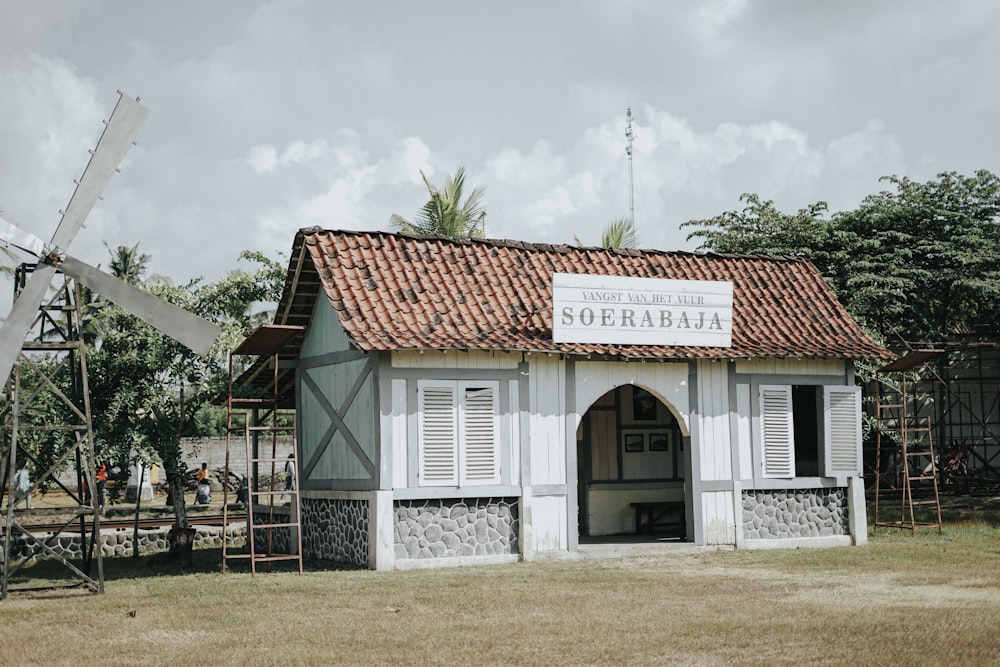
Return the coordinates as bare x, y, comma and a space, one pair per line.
450, 412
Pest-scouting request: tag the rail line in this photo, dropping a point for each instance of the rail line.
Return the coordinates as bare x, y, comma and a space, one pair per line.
125, 524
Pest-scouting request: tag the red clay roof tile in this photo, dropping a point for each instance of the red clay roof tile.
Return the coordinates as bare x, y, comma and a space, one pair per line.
398, 291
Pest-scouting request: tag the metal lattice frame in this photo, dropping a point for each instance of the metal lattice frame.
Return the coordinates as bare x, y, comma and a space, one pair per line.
52, 365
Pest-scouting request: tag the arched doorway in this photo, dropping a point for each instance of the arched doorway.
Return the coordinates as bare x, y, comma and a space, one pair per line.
631, 464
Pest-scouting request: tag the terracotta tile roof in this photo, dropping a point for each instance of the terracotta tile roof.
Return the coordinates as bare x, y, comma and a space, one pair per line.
398, 291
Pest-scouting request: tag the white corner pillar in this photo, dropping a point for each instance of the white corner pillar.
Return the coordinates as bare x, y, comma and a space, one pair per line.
381, 551
857, 512
526, 538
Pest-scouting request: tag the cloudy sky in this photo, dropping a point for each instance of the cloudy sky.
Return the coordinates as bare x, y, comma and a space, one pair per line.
275, 115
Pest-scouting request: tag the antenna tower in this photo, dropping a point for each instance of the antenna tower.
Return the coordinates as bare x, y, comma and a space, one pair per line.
629, 136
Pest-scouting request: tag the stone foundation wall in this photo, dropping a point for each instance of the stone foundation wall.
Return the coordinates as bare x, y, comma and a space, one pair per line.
450, 528
794, 513
335, 529
120, 542
280, 538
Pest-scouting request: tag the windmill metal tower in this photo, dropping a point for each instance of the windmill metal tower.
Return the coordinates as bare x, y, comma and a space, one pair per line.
24, 332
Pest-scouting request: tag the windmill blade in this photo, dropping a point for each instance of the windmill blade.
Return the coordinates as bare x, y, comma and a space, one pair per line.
11, 234
22, 315
184, 327
122, 128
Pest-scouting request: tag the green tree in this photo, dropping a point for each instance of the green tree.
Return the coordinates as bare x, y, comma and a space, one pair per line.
445, 213
148, 391
910, 263
923, 258
240, 301
145, 390
759, 228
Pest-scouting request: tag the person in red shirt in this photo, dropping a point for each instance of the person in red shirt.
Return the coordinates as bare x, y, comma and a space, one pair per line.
102, 482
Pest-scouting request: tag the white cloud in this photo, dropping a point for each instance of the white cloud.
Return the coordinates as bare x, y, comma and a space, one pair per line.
49, 118
269, 116
26, 28
263, 158
408, 157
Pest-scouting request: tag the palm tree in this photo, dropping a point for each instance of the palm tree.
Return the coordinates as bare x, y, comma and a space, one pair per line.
620, 233
128, 264
445, 213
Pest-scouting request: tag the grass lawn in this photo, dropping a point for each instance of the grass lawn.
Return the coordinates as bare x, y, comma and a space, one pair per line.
931, 599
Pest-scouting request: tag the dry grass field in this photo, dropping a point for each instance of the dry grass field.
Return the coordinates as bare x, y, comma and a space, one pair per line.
928, 599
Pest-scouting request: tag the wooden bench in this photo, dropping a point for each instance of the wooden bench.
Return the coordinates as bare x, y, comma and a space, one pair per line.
650, 514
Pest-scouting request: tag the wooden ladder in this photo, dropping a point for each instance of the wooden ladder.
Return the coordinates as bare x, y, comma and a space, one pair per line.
270, 535
919, 466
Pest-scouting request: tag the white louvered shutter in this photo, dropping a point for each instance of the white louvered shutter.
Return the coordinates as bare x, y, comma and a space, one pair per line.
842, 426
777, 434
438, 431
480, 462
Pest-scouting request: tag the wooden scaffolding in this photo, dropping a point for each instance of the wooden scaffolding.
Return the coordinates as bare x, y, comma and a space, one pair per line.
257, 422
906, 466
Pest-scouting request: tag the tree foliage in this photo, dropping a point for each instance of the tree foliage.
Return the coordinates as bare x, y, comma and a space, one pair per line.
912, 262
445, 213
148, 391
145, 389
620, 233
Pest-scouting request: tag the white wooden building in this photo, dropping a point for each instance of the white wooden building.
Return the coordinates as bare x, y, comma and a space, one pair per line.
445, 415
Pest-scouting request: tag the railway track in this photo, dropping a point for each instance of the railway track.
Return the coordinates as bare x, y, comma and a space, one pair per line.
127, 524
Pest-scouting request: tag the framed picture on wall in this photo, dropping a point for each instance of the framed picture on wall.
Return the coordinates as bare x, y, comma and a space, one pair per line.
643, 405
659, 442
634, 442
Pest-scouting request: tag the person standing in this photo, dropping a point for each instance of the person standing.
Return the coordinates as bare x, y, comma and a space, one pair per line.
102, 483
22, 486
203, 493
202, 472
289, 475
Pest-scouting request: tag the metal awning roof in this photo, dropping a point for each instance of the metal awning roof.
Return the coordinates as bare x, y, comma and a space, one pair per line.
268, 339
910, 360
271, 343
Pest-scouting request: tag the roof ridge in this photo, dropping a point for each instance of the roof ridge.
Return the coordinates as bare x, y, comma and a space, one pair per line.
549, 247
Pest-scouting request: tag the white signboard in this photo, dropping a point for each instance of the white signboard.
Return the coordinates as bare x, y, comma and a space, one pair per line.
641, 311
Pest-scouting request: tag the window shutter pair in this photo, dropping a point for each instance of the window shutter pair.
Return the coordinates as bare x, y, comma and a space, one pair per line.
458, 434
841, 429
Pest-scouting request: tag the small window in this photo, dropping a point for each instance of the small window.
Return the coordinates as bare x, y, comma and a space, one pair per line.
457, 440
777, 435
842, 424
810, 430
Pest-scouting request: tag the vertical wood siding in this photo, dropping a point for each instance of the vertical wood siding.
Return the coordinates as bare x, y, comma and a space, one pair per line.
744, 431
396, 431
604, 435
325, 333
547, 383
548, 523
791, 366
434, 359
714, 436
718, 517
340, 459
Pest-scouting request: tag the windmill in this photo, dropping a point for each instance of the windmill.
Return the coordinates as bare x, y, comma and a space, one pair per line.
52, 257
